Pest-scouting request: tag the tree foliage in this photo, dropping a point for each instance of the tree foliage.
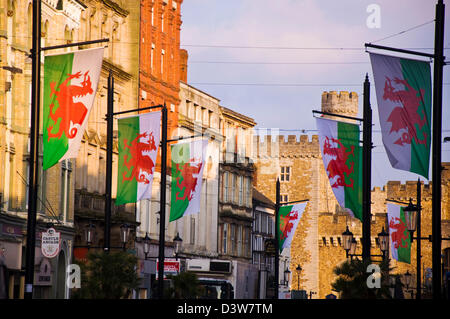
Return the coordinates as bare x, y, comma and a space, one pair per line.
352, 279
110, 275
185, 285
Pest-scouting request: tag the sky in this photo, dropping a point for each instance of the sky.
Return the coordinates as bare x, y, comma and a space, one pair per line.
271, 60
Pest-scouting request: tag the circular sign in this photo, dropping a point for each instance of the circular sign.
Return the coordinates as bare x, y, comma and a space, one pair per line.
50, 244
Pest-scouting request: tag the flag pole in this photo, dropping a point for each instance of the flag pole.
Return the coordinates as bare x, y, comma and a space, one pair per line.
437, 148
439, 63
367, 165
277, 238
34, 150
162, 210
109, 150
418, 243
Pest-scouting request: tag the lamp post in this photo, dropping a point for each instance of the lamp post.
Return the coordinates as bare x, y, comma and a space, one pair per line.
407, 282
124, 233
89, 233
287, 275
347, 236
383, 239
146, 242
412, 216
178, 241
298, 270
350, 243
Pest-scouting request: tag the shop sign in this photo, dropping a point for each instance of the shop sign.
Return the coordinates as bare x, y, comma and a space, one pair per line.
171, 267
44, 276
50, 243
270, 247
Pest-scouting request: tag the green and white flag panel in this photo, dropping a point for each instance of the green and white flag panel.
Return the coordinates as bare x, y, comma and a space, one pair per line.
188, 161
70, 85
288, 219
342, 159
139, 138
403, 90
399, 235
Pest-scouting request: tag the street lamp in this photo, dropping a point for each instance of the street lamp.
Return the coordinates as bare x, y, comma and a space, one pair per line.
298, 270
146, 242
407, 279
352, 251
411, 212
178, 241
350, 243
89, 233
287, 275
347, 240
383, 239
124, 233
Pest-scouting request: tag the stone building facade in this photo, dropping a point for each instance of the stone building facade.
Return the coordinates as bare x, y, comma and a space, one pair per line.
61, 21
235, 201
117, 21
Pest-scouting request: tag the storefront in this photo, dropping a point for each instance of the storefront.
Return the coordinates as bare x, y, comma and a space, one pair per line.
50, 274
12, 278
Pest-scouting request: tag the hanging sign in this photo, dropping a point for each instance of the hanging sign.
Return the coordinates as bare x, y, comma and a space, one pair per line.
50, 243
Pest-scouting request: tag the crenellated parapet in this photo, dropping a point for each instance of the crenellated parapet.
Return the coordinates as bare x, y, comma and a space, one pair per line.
403, 192
344, 102
282, 146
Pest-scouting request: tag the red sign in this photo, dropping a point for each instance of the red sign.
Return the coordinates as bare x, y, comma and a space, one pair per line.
171, 267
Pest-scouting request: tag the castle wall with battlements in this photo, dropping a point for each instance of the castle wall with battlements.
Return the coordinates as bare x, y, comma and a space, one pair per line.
317, 244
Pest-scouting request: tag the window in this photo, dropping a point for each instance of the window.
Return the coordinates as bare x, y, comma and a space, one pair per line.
162, 21
225, 239
256, 223
285, 173
264, 224
284, 198
192, 234
233, 188
241, 190
225, 187
151, 57
271, 226
248, 191
66, 170
153, 17
246, 242
233, 239
162, 62
239, 240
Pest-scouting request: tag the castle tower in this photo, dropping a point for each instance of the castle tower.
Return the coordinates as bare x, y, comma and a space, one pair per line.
298, 164
344, 103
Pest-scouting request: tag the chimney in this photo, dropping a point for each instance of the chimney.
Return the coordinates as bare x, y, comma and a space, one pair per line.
183, 65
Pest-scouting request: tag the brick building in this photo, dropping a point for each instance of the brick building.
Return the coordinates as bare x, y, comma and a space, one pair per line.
160, 57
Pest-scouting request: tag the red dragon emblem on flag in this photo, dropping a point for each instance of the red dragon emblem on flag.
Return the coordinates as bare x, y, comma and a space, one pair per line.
286, 223
189, 182
71, 113
139, 162
399, 233
337, 166
405, 116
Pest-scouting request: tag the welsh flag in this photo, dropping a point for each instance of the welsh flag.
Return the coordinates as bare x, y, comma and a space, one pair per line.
342, 159
398, 233
403, 89
70, 84
288, 218
138, 147
188, 161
